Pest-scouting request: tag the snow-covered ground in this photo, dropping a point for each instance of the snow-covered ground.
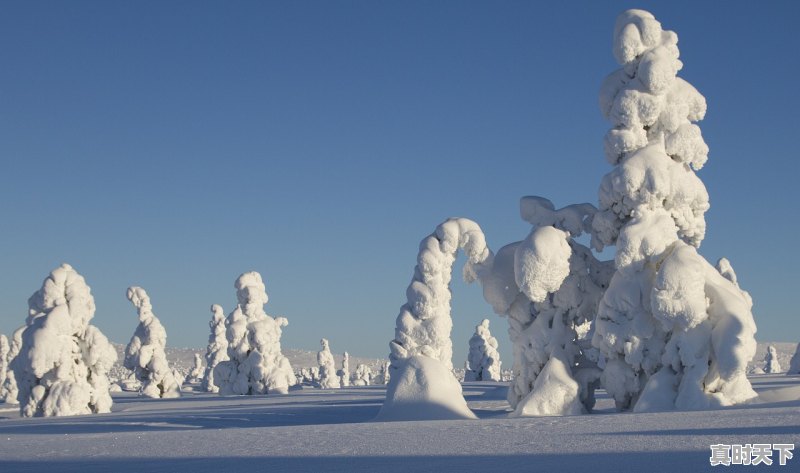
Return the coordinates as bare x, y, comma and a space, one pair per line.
329, 430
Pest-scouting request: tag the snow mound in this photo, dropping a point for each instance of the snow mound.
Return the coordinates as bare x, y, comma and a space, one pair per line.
423, 388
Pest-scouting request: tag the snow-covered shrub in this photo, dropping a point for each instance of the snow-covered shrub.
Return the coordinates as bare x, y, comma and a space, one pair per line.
196, 373
327, 367
363, 375
145, 354
424, 325
675, 331
549, 286
9, 390
62, 365
771, 364
217, 350
344, 373
256, 364
483, 360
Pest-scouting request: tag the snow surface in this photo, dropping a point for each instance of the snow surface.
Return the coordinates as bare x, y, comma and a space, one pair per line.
330, 430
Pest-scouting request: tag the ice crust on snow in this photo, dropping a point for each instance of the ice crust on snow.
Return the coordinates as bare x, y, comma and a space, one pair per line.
217, 350
483, 359
675, 332
62, 364
256, 364
145, 354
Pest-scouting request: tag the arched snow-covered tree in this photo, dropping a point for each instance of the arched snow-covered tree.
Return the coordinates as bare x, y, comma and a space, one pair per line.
217, 350
548, 286
256, 364
327, 367
62, 365
675, 331
145, 354
771, 364
344, 373
483, 359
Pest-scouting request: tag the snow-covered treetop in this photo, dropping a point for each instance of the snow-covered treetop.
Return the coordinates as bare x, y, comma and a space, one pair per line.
653, 141
139, 298
251, 293
64, 286
540, 212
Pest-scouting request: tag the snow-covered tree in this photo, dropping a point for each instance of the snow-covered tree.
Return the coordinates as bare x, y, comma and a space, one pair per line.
145, 354
794, 363
196, 373
483, 359
327, 367
363, 376
771, 364
384, 375
344, 373
4, 349
8, 390
217, 350
675, 331
548, 286
256, 364
62, 365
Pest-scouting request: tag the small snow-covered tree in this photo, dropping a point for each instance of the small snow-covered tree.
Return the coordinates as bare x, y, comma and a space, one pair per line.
483, 360
196, 374
4, 360
145, 354
217, 350
344, 373
385, 376
9, 390
62, 365
327, 367
256, 364
675, 331
771, 364
363, 376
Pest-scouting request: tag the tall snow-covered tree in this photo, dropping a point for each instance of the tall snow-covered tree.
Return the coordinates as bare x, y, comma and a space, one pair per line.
196, 373
217, 350
675, 331
483, 359
4, 349
383, 375
771, 363
327, 367
62, 365
145, 354
256, 364
344, 373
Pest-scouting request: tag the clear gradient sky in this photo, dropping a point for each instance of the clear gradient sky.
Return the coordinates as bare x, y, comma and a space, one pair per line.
174, 145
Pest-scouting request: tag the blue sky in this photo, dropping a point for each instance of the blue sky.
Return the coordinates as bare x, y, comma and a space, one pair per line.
175, 145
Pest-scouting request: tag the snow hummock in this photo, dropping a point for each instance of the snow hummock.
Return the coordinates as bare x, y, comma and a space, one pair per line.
328, 379
483, 360
62, 365
217, 350
145, 354
423, 388
256, 364
675, 332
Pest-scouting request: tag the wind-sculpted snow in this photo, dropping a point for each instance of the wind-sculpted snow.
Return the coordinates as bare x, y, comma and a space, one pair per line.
675, 332
256, 364
62, 364
483, 359
145, 354
217, 350
327, 367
